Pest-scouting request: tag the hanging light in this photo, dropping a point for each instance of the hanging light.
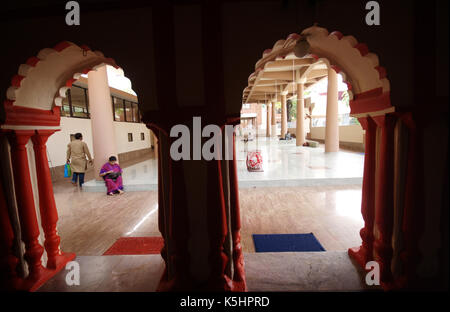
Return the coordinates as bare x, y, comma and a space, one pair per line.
302, 47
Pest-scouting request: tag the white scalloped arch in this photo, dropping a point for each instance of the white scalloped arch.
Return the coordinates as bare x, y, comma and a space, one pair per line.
359, 68
42, 82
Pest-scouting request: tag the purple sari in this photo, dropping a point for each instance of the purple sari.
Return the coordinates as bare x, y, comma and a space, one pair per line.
111, 185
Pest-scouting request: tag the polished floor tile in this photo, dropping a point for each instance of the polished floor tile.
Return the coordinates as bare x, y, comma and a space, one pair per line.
284, 164
89, 223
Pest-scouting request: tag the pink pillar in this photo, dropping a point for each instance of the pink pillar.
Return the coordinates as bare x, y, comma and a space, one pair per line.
300, 127
47, 206
274, 119
269, 107
25, 203
364, 253
384, 208
332, 124
100, 108
283, 115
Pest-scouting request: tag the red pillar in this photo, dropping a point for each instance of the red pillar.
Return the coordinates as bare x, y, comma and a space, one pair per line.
8, 261
47, 206
217, 229
25, 203
412, 225
239, 283
364, 253
384, 209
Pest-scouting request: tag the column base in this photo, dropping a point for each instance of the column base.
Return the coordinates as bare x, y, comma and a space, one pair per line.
223, 284
359, 254
45, 274
299, 142
60, 261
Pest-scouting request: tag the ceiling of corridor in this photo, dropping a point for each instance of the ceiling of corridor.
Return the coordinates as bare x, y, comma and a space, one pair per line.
305, 58
281, 75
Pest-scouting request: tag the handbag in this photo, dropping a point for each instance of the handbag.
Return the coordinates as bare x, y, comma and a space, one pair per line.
67, 171
113, 176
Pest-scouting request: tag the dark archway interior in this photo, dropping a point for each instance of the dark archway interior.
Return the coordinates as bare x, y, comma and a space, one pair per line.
181, 57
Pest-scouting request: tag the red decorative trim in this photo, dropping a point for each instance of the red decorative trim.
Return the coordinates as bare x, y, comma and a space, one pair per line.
349, 85
369, 93
382, 71
267, 51
61, 46
372, 104
32, 61
362, 48
336, 68
314, 56
19, 115
293, 36
338, 34
70, 82
85, 47
112, 62
16, 80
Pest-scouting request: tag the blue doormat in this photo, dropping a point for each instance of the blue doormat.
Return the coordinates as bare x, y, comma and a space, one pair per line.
286, 242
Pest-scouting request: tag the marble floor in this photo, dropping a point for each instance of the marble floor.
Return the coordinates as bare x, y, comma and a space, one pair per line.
89, 223
284, 164
324, 271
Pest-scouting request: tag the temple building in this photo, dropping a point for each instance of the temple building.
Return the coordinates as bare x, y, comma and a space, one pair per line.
339, 153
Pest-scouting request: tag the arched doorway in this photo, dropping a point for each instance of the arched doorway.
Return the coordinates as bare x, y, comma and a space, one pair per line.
32, 115
389, 135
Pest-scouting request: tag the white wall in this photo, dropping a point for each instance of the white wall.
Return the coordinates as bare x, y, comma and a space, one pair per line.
57, 143
123, 128
351, 133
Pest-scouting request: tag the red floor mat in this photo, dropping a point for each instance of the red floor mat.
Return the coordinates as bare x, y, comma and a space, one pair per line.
136, 246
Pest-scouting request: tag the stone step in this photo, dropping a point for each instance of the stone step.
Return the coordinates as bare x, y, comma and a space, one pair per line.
285, 271
139, 186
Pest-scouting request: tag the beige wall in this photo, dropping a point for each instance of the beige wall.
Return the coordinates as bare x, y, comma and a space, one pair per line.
57, 143
351, 133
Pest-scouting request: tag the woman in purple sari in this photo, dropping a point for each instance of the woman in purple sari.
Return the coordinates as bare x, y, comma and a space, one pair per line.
112, 174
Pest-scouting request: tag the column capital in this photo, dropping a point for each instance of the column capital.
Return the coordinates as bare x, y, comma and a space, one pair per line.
19, 138
408, 119
367, 123
41, 136
385, 121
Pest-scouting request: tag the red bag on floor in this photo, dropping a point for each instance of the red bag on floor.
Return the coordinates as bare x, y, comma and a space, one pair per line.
254, 161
